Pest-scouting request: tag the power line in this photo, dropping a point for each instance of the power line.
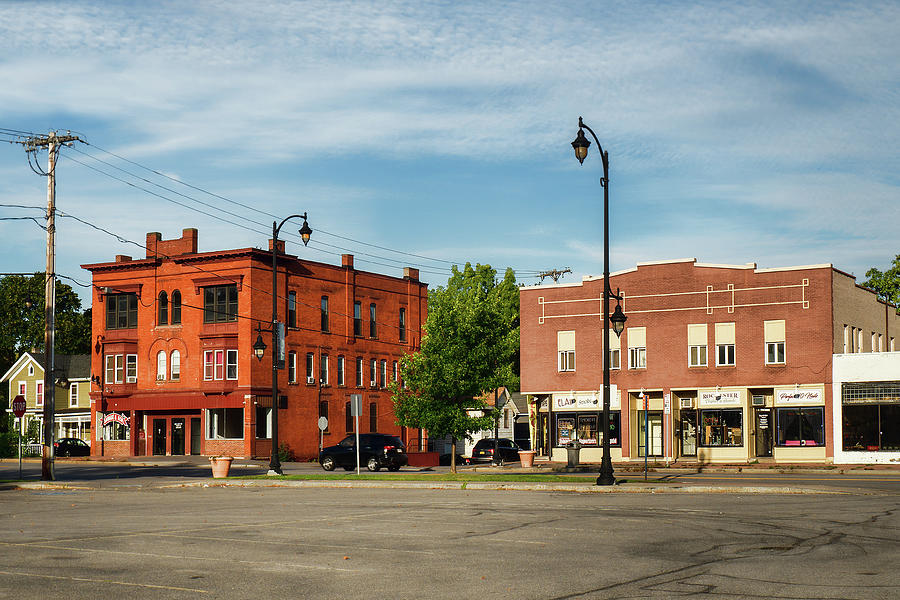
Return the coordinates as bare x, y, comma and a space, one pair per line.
123, 239
256, 210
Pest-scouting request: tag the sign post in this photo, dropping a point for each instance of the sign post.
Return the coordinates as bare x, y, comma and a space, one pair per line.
18, 408
355, 409
323, 425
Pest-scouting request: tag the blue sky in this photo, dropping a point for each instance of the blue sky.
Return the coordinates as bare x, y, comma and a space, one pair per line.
737, 131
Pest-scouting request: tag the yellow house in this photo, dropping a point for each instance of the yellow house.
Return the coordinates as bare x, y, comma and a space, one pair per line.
71, 392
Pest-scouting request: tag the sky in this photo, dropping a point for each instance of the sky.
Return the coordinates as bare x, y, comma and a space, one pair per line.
427, 134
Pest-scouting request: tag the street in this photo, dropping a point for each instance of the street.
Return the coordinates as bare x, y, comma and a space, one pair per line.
398, 543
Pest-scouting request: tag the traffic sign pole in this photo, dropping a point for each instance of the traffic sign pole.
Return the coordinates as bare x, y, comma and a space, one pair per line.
18, 408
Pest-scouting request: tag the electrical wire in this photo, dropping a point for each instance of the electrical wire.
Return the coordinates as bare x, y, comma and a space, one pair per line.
225, 278
236, 215
256, 210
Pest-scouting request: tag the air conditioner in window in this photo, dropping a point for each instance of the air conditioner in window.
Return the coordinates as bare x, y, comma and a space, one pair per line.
758, 401
687, 403
310, 380
160, 377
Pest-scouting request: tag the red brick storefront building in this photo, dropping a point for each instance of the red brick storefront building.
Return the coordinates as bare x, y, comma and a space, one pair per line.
173, 365
717, 363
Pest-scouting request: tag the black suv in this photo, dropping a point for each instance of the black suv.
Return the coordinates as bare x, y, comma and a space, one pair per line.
484, 450
376, 450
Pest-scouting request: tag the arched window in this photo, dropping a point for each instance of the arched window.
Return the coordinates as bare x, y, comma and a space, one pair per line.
176, 364
163, 315
161, 365
176, 307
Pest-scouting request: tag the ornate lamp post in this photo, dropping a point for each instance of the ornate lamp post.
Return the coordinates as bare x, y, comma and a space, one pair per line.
259, 347
580, 145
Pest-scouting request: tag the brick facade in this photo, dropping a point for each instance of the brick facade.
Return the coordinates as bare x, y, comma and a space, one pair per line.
219, 377
735, 412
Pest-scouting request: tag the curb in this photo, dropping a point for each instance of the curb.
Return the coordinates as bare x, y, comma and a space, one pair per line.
585, 488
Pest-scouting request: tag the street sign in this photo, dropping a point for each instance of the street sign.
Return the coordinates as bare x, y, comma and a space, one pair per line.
355, 405
18, 405
323, 423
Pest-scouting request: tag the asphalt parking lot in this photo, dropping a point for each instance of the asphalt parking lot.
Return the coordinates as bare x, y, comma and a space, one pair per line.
229, 542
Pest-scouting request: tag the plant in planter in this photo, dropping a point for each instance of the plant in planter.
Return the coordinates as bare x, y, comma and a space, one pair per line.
220, 465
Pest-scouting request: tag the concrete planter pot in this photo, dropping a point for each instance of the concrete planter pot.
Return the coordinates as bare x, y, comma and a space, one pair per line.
220, 466
527, 458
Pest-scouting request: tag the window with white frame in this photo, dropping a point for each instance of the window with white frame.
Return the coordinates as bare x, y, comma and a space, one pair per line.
382, 373
176, 365
161, 365
565, 349
697, 345
775, 341
395, 371
846, 339
323, 369
292, 367
310, 367
131, 368
73, 395
39, 393
615, 351
340, 371
219, 364
724, 344
115, 368
859, 340
637, 347
23, 386
372, 370
231, 364
359, 371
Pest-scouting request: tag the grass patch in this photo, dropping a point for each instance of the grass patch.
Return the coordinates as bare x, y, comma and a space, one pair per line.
461, 477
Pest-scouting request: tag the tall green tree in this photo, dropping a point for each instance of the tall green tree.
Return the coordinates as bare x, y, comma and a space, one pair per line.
22, 326
886, 284
470, 346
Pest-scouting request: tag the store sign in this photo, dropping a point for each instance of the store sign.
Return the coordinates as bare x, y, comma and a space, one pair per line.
115, 418
804, 397
720, 398
586, 401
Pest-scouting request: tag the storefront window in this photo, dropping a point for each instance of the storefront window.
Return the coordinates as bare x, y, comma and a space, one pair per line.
115, 432
586, 428
721, 427
800, 427
225, 423
871, 427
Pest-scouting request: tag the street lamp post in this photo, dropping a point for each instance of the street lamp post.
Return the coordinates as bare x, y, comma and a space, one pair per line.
259, 346
580, 145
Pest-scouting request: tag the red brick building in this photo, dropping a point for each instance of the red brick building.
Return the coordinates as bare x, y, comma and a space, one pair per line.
734, 363
174, 370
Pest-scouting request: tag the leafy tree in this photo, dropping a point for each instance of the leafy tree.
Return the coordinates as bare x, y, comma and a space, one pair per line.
22, 326
886, 284
470, 346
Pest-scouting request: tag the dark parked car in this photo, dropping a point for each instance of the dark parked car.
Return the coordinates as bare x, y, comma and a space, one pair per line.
376, 450
484, 450
72, 447
444, 460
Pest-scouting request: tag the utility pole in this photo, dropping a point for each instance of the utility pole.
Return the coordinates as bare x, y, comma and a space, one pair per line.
554, 274
53, 143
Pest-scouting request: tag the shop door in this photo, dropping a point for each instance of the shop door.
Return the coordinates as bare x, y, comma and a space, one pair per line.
688, 433
764, 432
654, 421
195, 436
159, 437
543, 435
178, 434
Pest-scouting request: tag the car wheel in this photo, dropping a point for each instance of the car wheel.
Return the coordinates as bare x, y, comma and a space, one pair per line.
328, 463
372, 464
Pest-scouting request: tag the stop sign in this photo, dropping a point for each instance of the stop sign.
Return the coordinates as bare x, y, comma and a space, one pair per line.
18, 405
